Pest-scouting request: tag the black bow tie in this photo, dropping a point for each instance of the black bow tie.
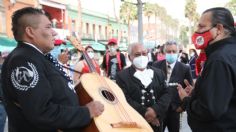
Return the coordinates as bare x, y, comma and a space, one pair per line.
58, 66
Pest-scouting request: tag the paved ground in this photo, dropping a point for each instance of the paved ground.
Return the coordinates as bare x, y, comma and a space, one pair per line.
6, 125
184, 125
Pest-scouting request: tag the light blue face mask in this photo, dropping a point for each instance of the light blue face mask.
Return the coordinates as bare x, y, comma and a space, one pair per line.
171, 58
56, 51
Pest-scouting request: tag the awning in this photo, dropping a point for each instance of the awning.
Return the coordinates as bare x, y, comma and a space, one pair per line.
7, 44
123, 48
98, 46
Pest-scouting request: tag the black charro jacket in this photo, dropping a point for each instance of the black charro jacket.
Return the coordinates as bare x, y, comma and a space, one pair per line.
180, 72
212, 107
37, 96
132, 88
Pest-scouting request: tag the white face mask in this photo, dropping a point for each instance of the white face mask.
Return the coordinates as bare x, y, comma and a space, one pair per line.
140, 62
112, 49
192, 54
74, 58
91, 55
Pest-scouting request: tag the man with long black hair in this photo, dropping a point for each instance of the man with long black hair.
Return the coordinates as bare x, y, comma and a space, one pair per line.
211, 107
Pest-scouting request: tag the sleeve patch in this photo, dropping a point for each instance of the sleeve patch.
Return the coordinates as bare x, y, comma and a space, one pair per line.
25, 77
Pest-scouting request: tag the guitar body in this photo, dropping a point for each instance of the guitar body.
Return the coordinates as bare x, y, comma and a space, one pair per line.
116, 109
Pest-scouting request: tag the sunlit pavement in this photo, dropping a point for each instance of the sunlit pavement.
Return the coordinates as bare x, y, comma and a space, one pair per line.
184, 125
6, 126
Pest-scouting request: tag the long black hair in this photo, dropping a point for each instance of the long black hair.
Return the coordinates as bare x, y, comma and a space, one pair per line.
223, 16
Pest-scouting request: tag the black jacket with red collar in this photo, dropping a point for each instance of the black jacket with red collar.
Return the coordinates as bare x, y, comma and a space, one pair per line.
212, 106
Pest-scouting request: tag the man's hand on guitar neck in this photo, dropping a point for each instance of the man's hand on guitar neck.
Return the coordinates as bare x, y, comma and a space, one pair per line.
95, 108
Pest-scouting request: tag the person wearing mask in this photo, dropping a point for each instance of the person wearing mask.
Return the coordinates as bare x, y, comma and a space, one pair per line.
192, 62
210, 105
82, 66
38, 96
160, 54
183, 57
64, 57
113, 60
144, 87
59, 51
175, 73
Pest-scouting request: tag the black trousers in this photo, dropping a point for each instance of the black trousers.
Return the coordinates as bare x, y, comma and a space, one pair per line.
172, 121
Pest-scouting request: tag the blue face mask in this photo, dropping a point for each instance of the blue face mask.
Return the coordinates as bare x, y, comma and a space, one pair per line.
171, 58
56, 51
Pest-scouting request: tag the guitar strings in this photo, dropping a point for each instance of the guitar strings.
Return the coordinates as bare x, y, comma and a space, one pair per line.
119, 106
105, 84
109, 96
93, 69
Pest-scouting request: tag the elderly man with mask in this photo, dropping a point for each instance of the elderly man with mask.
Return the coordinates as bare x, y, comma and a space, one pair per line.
175, 73
144, 87
211, 106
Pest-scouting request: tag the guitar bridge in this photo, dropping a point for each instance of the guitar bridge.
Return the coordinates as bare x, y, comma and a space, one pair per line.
125, 125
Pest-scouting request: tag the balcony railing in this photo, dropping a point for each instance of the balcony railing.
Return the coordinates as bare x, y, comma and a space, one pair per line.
87, 36
62, 33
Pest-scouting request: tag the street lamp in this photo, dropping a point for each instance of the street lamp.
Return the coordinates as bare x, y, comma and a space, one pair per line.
139, 5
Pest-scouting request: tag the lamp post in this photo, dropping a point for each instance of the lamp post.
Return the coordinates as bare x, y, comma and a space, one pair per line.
139, 5
140, 21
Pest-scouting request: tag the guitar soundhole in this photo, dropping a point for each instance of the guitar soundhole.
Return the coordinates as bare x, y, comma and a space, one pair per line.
108, 95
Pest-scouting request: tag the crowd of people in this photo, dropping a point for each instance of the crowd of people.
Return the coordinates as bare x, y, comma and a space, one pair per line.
38, 86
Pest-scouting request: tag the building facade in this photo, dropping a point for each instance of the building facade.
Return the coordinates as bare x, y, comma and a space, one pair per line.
91, 27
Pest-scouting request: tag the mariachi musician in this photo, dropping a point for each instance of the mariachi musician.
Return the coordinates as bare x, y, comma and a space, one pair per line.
38, 96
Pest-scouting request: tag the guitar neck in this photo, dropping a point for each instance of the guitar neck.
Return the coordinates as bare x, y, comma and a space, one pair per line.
89, 61
78, 46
